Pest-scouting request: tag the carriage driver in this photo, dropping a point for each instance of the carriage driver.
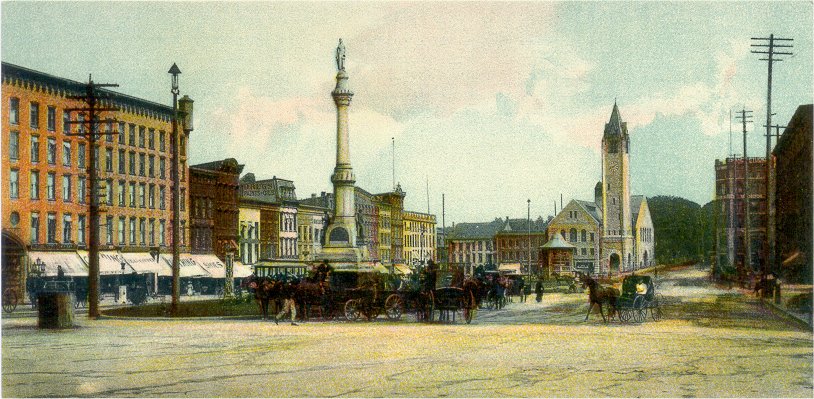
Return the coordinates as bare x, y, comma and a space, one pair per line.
430, 276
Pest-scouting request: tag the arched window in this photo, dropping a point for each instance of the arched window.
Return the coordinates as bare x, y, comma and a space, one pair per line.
562, 233
584, 235
573, 235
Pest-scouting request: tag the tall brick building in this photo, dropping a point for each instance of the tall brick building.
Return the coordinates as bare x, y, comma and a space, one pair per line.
45, 187
214, 211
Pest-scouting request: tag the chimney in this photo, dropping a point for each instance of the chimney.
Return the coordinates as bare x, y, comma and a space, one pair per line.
313, 195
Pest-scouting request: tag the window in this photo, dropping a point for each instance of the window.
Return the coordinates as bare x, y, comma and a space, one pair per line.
584, 236
35, 149
592, 237
81, 119
51, 123
109, 135
122, 162
573, 235
51, 228
182, 169
141, 195
96, 163
66, 188
161, 141
34, 115
14, 184
142, 229
109, 159
80, 156
66, 153
183, 199
80, 189
66, 122
133, 163
151, 139
66, 228
161, 196
132, 136
52, 151
152, 196
182, 145
151, 168
162, 236
14, 111
183, 232
584, 251
122, 240
132, 191
152, 232
141, 136
161, 169
14, 146
50, 189
121, 193
132, 230
109, 192
122, 133
35, 227
141, 164
80, 229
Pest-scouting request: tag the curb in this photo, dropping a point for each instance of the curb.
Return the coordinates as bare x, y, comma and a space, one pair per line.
786, 314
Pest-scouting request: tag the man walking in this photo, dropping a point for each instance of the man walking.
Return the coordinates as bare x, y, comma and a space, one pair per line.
289, 305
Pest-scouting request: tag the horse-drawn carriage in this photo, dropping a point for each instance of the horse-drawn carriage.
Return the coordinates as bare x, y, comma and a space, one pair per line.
638, 296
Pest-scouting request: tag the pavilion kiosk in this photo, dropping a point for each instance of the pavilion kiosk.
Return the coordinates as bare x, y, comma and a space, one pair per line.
558, 255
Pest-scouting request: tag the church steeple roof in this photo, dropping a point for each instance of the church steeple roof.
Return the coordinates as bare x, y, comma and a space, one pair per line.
615, 126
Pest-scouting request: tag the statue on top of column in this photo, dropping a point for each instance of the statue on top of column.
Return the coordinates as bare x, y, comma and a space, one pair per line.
340, 56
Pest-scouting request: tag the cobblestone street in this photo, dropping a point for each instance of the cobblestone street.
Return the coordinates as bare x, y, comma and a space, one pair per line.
711, 342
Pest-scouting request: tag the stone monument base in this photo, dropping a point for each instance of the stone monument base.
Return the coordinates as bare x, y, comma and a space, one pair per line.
343, 258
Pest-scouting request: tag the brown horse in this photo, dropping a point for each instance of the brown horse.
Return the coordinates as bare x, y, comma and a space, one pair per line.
600, 295
265, 290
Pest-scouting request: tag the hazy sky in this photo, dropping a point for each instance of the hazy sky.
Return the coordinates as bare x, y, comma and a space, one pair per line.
491, 103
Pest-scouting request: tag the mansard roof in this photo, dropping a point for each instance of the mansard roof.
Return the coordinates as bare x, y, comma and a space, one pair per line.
522, 226
17, 75
226, 165
470, 231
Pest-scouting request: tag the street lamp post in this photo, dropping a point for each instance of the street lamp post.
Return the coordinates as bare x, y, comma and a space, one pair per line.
176, 195
528, 235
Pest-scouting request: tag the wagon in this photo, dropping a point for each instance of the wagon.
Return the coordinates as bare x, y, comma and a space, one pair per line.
355, 294
639, 297
450, 300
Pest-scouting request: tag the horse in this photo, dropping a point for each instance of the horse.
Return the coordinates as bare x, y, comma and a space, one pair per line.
599, 295
473, 291
265, 289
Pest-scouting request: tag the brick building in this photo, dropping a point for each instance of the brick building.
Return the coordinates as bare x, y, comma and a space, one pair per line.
518, 242
214, 210
45, 188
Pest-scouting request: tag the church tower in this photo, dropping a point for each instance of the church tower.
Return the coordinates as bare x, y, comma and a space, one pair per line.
617, 238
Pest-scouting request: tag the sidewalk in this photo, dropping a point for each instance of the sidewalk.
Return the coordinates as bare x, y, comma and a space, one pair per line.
788, 292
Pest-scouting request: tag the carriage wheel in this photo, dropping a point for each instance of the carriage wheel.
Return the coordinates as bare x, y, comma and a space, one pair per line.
638, 303
639, 315
655, 313
624, 315
352, 312
393, 306
9, 300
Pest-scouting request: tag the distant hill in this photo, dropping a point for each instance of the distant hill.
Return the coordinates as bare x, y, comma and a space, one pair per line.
682, 228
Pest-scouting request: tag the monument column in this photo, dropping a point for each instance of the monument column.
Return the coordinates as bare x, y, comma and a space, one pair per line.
341, 232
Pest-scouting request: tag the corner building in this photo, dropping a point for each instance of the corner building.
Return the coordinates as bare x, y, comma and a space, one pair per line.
46, 193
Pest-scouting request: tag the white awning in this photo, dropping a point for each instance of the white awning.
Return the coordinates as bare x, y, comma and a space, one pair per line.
143, 262
71, 263
187, 266
403, 269
509, 267
110, 263
211, 264
240, 270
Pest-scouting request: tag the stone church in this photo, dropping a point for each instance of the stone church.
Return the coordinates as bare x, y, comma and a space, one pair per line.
614, 232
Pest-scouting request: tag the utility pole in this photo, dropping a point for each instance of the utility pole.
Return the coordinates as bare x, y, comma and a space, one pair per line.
769, 46
94, 107
746, 117
176, 196
444, 228
528, 232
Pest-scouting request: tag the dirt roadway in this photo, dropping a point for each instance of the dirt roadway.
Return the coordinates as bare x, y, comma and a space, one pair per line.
711, 343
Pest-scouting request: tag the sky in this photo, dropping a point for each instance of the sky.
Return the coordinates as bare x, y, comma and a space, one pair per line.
489, 103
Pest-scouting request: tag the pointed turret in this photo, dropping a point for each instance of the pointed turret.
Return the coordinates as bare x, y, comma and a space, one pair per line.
615, 126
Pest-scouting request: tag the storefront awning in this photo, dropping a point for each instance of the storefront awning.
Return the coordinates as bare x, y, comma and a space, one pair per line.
110, 263
240, 270
143, 262
509, 267
187, 266
71, 263
211, 264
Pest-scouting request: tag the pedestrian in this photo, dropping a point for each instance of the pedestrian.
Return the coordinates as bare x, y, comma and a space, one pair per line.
539, 290
520, 284
289, 304
60, 273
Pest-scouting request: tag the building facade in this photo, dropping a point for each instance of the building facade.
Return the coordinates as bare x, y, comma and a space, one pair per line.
46, 193
793, 198
277, 202
732, 193
580, 224
617, 234
518, 241
418, 235
472, 245
214, 210
249, 243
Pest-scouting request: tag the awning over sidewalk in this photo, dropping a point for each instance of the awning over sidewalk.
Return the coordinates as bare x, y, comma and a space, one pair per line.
71, 263
143, 262
187, 266
211, 264
403, 269
110, 263
240, 270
